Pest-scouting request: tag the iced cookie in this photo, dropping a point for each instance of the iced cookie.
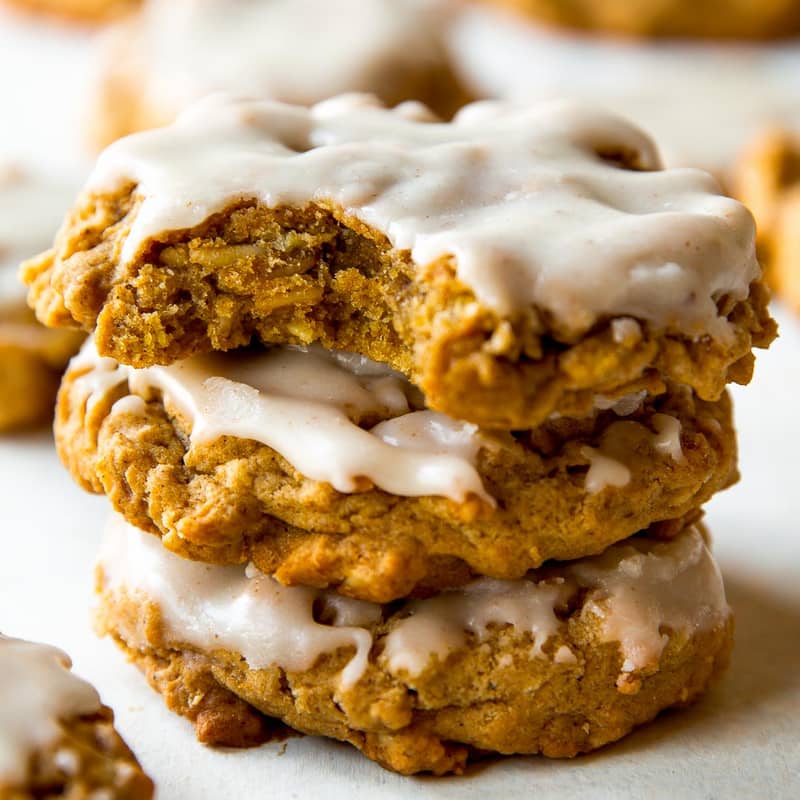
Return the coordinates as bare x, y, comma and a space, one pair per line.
79, 10
768, 180
513, 263
31, 357
175, 52
559, 663
326, 469
56, 738
739, 19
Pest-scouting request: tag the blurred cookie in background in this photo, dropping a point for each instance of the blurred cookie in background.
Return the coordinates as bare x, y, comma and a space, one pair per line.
57, 739
701, 99
300, 51
742, 19
78, 10
31, 356
768, 181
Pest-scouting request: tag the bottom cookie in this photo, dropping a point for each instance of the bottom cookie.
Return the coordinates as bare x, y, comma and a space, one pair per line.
561, 662
56, 738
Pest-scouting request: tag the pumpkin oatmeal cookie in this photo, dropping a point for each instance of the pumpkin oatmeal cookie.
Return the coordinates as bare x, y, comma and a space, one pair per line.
513, 263
558, 663
56, 738
325, 469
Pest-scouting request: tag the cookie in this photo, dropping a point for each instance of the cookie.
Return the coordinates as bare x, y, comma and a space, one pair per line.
326, 469
514, 263
56, 738
175, 52
685, 92
561, 662
768, 180
31, 356
78, 10
740, 19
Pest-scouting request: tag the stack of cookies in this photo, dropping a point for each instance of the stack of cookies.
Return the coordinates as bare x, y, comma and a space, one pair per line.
406, 424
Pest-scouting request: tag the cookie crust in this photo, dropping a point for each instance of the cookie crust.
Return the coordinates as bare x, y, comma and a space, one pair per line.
300, 275
57, 738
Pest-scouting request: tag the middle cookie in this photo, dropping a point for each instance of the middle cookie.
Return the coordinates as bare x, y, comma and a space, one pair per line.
326, 469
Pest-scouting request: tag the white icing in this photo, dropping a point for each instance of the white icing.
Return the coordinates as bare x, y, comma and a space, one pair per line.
432, 432
642, 589
438, 626
604, 471
37, 690
31, 209
624, 329
297, 402
636, 590
299, 51
703, 100
605, 462
565, 656
517, 195
234, 608
621, 406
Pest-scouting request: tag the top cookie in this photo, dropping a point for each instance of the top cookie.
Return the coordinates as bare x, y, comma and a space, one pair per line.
514, 263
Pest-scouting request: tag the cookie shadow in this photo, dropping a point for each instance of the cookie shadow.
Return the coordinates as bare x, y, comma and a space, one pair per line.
763, 672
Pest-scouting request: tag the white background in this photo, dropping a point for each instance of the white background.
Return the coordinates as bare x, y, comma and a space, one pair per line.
742, 741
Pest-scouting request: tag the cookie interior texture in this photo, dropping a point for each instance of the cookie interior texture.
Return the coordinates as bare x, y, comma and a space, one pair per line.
742, 19
230, 500
499, 328
499, 688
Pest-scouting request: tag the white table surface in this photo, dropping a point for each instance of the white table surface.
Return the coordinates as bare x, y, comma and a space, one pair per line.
741, 741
